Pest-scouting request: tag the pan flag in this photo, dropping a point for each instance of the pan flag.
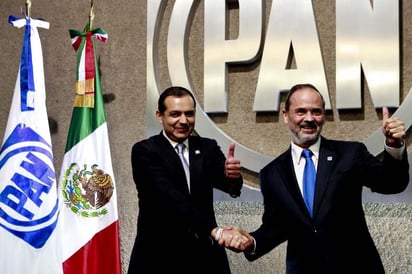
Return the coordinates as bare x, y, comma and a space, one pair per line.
29, 206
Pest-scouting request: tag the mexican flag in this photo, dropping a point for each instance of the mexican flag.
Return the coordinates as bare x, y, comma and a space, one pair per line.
29, 206
89, 217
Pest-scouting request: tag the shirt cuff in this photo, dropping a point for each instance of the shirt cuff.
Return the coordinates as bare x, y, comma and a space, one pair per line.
395, 152
253, 250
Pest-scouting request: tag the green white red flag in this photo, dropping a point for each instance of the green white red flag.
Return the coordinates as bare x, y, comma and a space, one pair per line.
88, 217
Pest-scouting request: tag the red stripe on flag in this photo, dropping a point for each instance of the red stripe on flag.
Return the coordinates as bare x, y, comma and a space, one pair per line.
100, 255
89, 56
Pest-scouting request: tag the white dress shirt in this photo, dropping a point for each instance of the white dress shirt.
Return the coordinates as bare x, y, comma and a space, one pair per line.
299, 161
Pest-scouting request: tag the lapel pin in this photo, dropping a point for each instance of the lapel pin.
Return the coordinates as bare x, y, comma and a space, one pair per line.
329, 158
197, 151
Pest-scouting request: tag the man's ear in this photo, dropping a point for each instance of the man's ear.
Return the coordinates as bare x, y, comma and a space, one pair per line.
159, 117
285, 116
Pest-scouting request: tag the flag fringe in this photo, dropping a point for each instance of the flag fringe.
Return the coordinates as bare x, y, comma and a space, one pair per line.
84, 93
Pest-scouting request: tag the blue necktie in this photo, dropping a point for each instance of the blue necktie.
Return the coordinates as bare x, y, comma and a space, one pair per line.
180, 149
309, 180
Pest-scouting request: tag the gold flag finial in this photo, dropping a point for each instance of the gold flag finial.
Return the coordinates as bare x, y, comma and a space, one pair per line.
28, 7
91, 15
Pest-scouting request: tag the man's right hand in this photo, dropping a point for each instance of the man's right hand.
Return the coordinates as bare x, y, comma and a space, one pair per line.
236, 239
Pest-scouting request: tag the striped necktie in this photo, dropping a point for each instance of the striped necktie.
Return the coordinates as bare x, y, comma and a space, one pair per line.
180, 148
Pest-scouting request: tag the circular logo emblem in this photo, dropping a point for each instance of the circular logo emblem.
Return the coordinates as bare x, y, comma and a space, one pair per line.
28, 200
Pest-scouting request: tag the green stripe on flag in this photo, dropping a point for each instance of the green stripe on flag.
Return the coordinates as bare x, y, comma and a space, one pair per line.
85, 119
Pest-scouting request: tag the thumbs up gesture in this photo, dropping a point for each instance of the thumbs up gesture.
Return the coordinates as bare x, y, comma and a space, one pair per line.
232, 165
393, 129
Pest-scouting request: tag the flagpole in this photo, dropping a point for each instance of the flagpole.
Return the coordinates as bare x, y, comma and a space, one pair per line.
28, 7
91, 15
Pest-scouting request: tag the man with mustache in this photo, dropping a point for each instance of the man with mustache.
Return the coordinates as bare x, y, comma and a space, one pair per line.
326, 231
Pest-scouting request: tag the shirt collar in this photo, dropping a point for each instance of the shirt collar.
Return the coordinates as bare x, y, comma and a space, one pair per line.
173, 143
297, 150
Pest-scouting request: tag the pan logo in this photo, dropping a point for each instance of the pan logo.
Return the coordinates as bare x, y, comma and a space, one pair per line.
26, 159
295, 43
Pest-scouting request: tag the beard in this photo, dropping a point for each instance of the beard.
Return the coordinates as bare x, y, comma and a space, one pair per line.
300, 137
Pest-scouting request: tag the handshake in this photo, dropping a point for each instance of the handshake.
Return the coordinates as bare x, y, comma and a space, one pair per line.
233, 238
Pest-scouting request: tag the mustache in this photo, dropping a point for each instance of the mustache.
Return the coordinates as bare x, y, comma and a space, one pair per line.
308, 124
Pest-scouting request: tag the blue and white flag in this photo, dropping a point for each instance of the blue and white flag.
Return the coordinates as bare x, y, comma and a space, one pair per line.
29, 206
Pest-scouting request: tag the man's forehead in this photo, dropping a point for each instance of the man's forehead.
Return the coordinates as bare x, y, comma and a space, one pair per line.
185, 98
181, 110
178, 103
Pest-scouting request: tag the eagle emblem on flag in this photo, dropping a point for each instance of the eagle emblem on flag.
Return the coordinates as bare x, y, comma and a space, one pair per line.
87, 190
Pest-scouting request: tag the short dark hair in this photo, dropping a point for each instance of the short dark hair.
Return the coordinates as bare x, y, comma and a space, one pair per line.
176, 91
298, 87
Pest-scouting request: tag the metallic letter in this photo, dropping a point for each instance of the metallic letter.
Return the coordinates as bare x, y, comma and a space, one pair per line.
367, 36
218, 52
291, 25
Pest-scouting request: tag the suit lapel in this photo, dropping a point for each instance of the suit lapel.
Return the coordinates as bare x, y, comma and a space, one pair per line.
286, 165
326, 163
166, 151
196, 156
288, 177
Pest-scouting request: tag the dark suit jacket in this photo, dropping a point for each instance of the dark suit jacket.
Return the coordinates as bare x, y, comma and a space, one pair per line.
173, 226
337, 239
